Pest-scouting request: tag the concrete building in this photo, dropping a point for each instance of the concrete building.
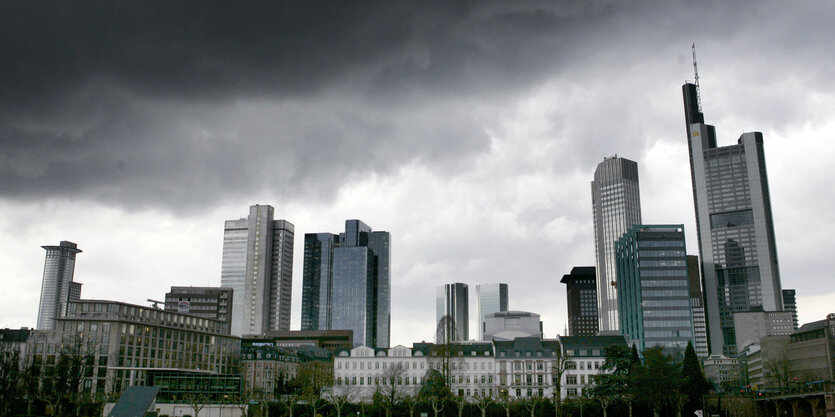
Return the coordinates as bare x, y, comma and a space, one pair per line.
616, 206
757, 360
509, 325
125, 341
722, 371
347, 283
329, 340
654, 289
581, 297
697, 306
586, 355
811, 351
752, 326
737, 246
363, 368
57, 286
258, 265
452, 313
207, 302
492, 298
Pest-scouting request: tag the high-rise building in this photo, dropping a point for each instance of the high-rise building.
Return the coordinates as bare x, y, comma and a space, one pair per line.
207, 302
258, 265
581, 294
735, 230
653, 288
616, 203
346, 283
492, 298
452, 313
790, 304
57, 286
698, 307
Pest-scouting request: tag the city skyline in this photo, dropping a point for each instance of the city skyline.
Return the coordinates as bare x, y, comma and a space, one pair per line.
470, 134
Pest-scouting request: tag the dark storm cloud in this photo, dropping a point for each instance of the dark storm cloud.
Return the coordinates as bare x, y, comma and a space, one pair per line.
173, 104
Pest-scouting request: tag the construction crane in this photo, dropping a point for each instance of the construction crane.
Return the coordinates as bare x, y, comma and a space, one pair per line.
696, 71
156, 303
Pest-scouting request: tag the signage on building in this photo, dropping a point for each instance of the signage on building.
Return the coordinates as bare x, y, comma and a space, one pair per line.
183, 307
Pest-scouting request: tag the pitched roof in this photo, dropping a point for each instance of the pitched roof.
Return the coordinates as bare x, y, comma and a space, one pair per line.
134, 402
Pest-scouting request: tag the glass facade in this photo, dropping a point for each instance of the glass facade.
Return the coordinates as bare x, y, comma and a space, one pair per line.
57, 286
346, 283
653, 287
616, 203
736, 234
452, 312
492, 298
257, 264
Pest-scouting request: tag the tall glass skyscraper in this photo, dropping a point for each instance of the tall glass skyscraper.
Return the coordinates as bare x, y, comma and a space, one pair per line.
452, 313
492, 298
736, 234
346, 283
258, 265
616, 203
653, 287
57, 286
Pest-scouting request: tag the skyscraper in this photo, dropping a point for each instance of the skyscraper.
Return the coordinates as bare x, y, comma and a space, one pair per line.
581, 294
697, 305
616, 203
492, 298
790, 304
733, 215
346, 283
57, 286
258, 265
653, 287
452, 313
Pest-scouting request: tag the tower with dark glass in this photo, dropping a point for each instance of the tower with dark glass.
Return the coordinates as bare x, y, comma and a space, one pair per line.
735, 229
346, 283
452, 313
581, 294
616, 203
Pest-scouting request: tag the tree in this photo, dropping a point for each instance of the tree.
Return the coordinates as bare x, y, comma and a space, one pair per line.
483, 400
655, 381
460, 404
778, 372
340, 396
693, 384
312, 377
560, 365
390, 386
531, 403
411, 402
289, 401
197, 402
614, 385
12, 374
435, 391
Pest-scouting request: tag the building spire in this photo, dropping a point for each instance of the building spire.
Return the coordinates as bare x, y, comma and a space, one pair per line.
696, 71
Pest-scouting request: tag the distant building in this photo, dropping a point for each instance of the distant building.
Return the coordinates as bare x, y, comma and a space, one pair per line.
292, 339
752, 326
758, 360
15, 342
362, 369
790, 304
722, 371
492, 298
258, 265
524, 366
811, 351
697, 306
347, 283
581, 294
207, 302
653, 287
452, 313
616, 203
128, 340
510, 325
57, 286
737, 246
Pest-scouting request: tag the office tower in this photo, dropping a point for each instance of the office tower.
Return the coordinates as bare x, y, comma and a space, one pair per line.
581, 294
492, 298
452, 313
207, 302
346, 283
790, 304
735, 230
616, 203
698, 307
653, 288
57, 286
258, 265
751, 326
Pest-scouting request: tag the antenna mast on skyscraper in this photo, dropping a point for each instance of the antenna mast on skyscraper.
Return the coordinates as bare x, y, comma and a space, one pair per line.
696, 71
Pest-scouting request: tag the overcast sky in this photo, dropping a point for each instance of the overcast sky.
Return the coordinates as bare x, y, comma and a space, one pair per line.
469, 130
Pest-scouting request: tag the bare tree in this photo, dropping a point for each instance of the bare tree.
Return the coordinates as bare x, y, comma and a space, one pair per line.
411, 402
460, 404
483, 399
13, 370
390, 386
560, 365
289, 401
197, 402
531, 403
340, 396
778, 371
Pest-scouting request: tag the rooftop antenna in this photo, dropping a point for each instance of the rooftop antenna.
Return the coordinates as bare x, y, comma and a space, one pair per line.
696, 71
